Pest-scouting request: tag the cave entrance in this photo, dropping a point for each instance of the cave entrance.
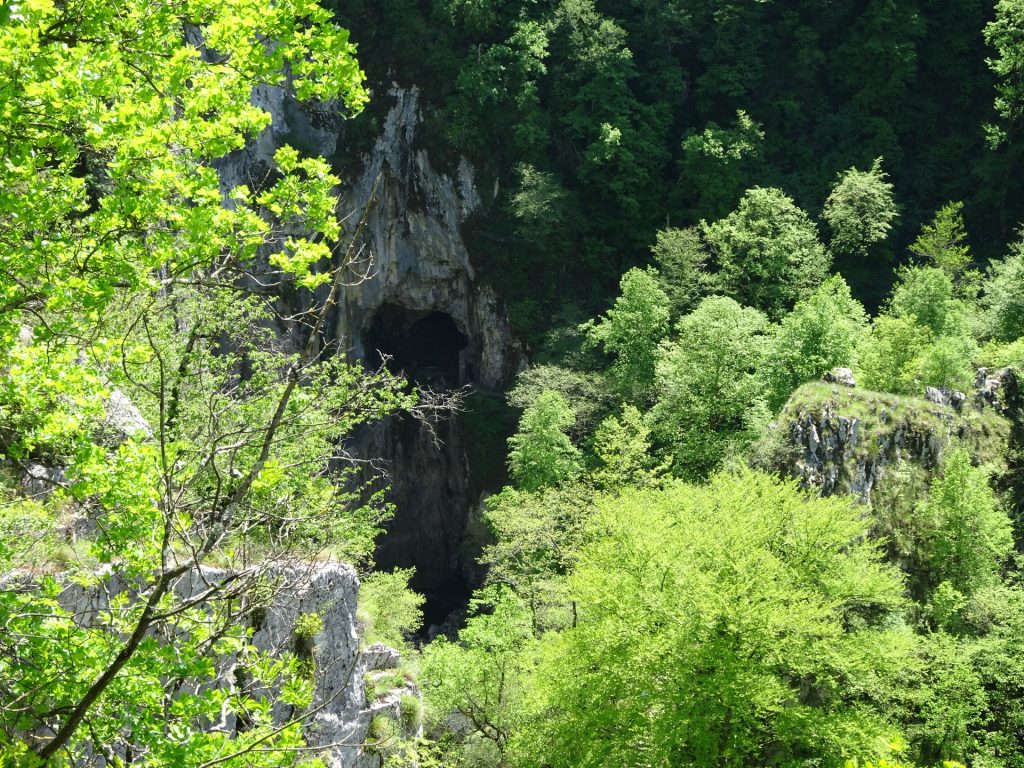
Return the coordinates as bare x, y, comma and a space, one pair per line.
427, 347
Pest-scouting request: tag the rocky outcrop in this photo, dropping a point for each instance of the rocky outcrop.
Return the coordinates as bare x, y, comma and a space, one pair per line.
420, 261
945, 396
344, 713
411, 248
840, 439
842, 376
1001, 391
39, 480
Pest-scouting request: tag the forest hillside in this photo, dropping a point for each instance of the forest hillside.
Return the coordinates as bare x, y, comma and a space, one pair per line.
511, 384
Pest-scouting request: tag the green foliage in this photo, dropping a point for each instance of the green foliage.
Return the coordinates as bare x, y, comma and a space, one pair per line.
943, 242
482, 677
822, 332
965, 537
128, 273
922, 340
309, 625
947, 363
622, 447
718, 164
1004, 297
540, 453
925, 295
411, 709
383, 737
77, 136
630, 332
738, 622
682, 267
585, 393
30, 538
767, 251
537, 537
650, 115
951, 538
539, 205
389, 610
1005, 34
707, 385
889, 358
860, 210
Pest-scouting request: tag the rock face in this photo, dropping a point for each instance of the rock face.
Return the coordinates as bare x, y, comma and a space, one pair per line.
345, 714
945, 396
842, 376
417, 301
412, 251
1001, 391
842, 440
123, 420
429, 489
420, 261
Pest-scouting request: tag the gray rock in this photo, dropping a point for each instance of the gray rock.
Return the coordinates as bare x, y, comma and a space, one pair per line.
122, 421
843, 376
414, 262
380, 656
413, 254
330, 590
837, 455
40, 481
945, 396
998, 390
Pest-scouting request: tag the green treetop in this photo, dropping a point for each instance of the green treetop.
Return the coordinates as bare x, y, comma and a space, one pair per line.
860, 210
540, 453
767, 251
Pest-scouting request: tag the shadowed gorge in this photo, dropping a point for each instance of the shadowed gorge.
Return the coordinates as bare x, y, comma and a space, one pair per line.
428, 471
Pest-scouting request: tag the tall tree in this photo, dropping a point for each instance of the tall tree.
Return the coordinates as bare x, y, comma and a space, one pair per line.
541, 453
737, 623
707, 385
822, 332
860, 210
127, 269
631, 331
767, 252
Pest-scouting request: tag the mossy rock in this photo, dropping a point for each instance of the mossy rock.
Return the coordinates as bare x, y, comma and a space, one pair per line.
841, 439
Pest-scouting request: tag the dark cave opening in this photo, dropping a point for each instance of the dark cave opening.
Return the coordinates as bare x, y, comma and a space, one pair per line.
429, 483
427, 347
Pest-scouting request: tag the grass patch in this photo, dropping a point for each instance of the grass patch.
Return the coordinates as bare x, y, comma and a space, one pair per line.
383, 737
412, 711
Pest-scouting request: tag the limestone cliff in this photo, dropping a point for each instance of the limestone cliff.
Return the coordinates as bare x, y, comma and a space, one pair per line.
419, 302
346, 713
414, 257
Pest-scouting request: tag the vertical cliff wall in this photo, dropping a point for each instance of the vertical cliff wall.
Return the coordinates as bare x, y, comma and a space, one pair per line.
415, 299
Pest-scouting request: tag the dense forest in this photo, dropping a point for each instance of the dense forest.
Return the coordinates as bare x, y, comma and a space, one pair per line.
759, 497
602, 123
